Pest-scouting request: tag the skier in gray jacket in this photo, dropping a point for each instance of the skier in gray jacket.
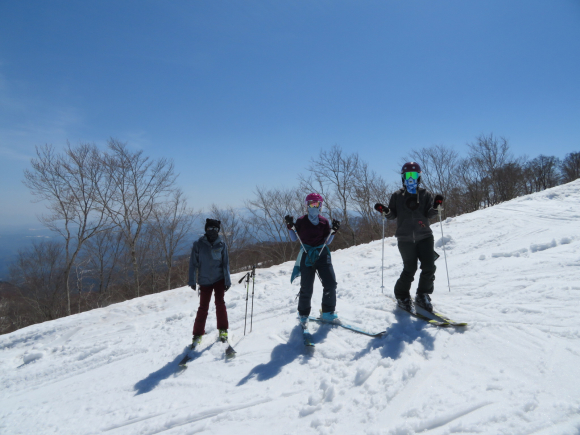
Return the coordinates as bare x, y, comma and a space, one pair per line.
209, 266
412, 207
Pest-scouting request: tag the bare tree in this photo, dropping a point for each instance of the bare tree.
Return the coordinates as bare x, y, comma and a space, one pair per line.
69, 183
510, 181
571, 167
83, 286
369, 189
541, 173
38, 275
268, 230
150, 259
5, 321
473, 188
139, 185
103, 252
14, 311
172, 224
488, 156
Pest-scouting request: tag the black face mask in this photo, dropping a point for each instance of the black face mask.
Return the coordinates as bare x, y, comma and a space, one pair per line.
211, 235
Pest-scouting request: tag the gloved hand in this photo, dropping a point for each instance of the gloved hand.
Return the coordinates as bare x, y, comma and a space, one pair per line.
228, 287
383, 209
335, 225
289, 221
438, 201
193, 287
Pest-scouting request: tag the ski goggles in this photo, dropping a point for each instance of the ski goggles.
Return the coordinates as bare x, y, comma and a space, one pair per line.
314, 204
216, 229
414, 175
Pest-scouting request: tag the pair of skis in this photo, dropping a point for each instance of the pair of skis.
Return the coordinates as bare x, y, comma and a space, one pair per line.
433, 318
193, 354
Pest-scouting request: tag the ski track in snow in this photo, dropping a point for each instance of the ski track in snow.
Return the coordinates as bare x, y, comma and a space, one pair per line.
515, 277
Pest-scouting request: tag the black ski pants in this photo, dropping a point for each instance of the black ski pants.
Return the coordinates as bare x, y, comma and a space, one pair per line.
307, 276
424, 251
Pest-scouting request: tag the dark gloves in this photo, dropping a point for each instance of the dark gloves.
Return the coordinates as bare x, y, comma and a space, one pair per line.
335, 225
383, 209
193, 287
228, 287
438, 201
289, 221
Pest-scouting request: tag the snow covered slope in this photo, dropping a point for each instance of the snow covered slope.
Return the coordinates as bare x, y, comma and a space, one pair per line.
515, 277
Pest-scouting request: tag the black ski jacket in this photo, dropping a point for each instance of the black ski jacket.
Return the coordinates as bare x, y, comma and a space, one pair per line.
412, 217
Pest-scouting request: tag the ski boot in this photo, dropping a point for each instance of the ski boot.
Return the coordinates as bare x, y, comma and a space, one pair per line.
196, 340
303, 321
331, 317
424, 301
223, 335
405, 304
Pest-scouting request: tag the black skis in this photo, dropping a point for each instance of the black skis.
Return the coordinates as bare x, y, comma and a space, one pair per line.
193, 353
434, 318
442, 318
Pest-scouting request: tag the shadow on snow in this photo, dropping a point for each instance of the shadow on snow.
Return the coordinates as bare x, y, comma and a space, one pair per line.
151, 381
405, 330
284, 354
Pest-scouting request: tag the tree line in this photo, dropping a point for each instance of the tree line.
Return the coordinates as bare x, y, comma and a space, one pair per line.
123, 228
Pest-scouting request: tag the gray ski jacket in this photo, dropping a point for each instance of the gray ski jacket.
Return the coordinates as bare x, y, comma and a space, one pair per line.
412, 218
209, 263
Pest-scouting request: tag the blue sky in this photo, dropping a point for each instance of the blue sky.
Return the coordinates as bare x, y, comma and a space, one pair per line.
245, 93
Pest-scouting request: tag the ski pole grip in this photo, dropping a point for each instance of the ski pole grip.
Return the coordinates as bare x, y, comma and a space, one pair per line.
242, 278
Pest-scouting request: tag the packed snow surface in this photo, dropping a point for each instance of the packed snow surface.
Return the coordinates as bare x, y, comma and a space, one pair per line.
514, 271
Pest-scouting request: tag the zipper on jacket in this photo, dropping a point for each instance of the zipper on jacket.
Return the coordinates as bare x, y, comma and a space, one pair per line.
413, 219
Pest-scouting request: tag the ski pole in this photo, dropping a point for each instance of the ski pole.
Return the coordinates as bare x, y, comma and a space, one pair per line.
247, 278
253, 285
439, 209
383, 259
306, 252
325, 242
298, 237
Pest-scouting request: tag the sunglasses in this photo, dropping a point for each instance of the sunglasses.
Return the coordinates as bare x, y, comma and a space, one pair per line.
213, 229
314, 204
414, 175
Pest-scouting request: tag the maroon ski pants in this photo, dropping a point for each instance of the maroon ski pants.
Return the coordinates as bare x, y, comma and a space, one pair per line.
205, 292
